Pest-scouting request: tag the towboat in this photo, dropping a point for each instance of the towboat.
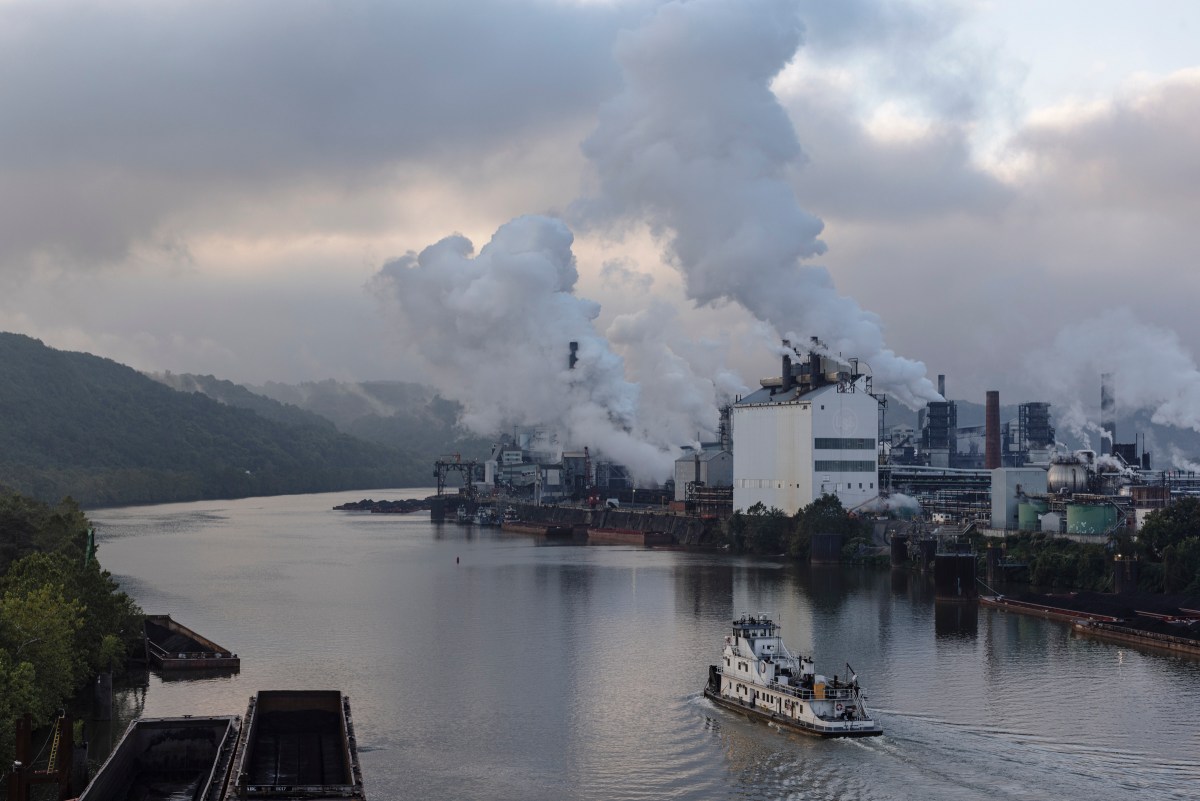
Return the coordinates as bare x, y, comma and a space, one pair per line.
760, 678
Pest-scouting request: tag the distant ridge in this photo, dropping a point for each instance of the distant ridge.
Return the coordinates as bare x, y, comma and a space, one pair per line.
405, 415
101, 432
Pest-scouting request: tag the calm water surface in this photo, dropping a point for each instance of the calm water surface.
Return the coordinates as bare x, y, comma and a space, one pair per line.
482, 665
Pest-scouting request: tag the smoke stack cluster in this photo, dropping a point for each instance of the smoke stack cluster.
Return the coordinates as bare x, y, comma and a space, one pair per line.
992, 428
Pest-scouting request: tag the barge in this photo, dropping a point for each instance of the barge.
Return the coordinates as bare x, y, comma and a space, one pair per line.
298, 744
168, 759
627, 536
170, 645
1151, 621
762, 679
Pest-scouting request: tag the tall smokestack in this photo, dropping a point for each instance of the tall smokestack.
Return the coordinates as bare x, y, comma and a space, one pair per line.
1108, 412
574, 357
786, 368
992, 422
942, 385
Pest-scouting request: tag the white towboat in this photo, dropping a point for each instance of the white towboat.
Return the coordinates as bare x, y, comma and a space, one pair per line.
760, 678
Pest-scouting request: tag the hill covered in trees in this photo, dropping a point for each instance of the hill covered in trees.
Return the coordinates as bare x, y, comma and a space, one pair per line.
80, 425
404, 415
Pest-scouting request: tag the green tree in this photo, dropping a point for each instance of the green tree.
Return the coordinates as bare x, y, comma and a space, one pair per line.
1174, 524
766, 529
1181, 567
37, 628
825, 515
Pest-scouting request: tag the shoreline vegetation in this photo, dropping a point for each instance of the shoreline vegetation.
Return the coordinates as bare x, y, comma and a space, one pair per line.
1167, 548
63, 619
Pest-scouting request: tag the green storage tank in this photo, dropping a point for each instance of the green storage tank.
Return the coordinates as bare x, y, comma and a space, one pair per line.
1090, 518
1028, 513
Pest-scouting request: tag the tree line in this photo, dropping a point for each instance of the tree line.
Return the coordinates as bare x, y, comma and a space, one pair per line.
1167, 546
63, 619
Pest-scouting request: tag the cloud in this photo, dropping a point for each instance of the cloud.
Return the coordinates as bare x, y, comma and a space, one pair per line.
126, 117
698, 145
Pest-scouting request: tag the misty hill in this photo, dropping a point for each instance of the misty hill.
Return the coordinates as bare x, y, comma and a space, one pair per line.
409, 416
402, 414
80, 425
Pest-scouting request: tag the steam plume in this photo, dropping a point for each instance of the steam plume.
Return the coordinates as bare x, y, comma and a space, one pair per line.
698, 145
1151, 370
494, 329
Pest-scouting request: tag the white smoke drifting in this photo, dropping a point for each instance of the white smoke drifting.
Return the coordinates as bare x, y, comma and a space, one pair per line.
897, 502
494, 331
1151, 371
698, 146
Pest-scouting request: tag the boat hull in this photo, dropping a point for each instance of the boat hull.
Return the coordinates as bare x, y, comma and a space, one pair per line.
857, 729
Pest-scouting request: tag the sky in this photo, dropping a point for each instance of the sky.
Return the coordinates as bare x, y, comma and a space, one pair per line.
293, 190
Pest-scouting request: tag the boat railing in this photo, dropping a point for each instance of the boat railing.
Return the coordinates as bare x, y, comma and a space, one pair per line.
805, 694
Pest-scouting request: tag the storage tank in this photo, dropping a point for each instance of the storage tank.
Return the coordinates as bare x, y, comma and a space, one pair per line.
1090, 518
1067, 474
1029, 514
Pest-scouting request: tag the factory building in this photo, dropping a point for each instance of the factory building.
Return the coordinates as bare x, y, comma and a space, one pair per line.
810, 432
711, 466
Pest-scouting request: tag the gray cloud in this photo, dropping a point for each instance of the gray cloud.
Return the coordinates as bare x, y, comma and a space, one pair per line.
118, 114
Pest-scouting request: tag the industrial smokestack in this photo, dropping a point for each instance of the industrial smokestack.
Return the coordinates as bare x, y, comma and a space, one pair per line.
574, 357
787, 366
726, 428
942, 385
992, 423
814, 364
1108, 412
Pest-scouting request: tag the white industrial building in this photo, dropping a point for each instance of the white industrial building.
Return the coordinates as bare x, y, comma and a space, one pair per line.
711, 466
811, 432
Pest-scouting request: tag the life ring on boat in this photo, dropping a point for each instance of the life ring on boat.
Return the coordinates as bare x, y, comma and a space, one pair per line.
762, 667
839, 707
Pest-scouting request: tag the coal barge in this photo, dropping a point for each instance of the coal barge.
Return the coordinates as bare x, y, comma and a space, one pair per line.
298, 744
170, 645
172, 759
1153, 621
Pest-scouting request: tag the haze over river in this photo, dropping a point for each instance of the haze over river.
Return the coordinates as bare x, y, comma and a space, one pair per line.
483, 665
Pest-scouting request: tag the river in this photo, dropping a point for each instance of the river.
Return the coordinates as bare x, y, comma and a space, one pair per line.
482, 665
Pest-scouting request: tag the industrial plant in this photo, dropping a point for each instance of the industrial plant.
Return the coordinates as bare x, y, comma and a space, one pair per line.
820, 428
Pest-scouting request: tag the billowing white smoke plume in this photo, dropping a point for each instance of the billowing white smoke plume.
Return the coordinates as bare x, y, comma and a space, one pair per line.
677, 396
494, 330
1151, 371
698, 146
1181, 461
897, 502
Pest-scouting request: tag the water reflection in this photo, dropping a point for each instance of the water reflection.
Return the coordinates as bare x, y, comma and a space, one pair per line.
481, 665
955, 619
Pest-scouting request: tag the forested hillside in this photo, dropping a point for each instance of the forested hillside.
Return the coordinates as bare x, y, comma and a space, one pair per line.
79, 425
405, 415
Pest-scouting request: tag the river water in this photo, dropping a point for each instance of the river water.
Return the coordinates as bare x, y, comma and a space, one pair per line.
482, 665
